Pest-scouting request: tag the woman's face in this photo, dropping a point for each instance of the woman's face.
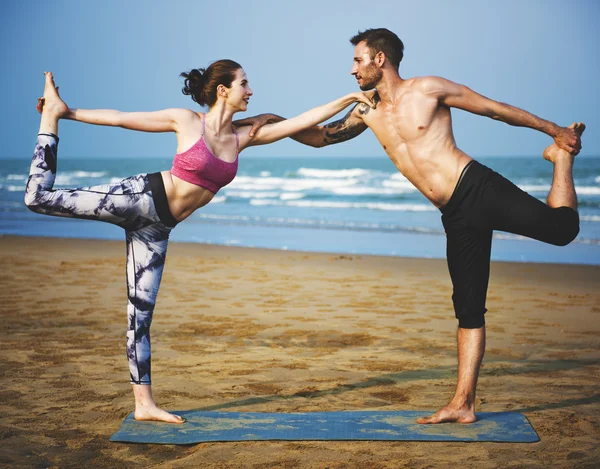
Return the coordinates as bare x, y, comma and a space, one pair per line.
239, 93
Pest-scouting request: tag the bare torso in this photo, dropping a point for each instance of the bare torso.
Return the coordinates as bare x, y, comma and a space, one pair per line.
416, 133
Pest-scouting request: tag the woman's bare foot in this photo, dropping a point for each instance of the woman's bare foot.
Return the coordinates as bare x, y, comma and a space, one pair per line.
51, 106
554, 152
450, 414
146, 409
151, 412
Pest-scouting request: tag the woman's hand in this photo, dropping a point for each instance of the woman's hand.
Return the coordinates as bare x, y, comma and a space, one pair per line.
366, 97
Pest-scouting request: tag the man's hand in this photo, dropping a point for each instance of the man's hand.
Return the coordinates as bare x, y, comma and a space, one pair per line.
257, 122
568, 139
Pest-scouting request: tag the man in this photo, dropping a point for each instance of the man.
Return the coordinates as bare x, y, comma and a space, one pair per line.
412, 122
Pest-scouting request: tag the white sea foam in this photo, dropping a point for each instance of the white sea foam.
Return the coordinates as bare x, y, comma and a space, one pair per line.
219, 199
291, 196
16, 177
582, 190
535, 188
404, 185
333, 173
85, 174
597, 180
595, 218
588, 190
265, 173
370, 191
15, 188
398, 177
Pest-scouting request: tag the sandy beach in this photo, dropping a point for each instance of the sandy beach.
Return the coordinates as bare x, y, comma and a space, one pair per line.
275, 331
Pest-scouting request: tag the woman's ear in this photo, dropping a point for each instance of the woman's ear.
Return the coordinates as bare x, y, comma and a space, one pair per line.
222, 91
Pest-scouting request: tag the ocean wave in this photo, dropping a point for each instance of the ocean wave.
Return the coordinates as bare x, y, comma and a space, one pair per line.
16, 177
219, 199
595, 218
12, 188
333, 173
247, 183
251, 194
310, 223
332, 204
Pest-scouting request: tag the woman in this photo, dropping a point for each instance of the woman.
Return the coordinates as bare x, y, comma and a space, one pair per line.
148, 206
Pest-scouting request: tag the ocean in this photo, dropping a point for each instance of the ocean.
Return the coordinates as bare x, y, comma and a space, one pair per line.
333, 204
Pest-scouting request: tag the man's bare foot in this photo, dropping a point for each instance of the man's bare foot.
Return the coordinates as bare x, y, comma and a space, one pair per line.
51, 103
154, 413
554, 152
450, 414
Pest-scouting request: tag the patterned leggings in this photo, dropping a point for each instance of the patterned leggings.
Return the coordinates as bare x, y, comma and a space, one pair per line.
129, 204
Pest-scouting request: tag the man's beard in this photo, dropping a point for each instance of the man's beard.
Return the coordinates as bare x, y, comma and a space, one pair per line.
372, 81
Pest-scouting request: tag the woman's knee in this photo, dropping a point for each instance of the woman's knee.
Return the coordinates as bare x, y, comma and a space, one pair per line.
32, 196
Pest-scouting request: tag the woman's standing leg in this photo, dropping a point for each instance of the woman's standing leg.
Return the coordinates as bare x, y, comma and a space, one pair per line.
146, 254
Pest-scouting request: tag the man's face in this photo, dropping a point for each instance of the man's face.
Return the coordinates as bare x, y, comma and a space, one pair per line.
365, 70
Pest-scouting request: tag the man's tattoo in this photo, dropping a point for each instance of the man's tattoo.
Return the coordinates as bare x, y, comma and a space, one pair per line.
363, 108
342, 130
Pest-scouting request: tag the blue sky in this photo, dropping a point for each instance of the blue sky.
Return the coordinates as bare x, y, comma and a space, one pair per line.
543, 56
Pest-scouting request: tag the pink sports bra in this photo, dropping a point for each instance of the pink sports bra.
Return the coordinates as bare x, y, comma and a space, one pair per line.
199, 166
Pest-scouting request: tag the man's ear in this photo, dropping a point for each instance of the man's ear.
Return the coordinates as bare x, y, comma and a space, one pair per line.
380, 59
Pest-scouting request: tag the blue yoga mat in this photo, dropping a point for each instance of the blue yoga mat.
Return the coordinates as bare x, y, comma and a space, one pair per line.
361, 425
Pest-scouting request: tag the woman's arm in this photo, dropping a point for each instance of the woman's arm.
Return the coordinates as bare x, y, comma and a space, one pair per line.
273, 132
167, 120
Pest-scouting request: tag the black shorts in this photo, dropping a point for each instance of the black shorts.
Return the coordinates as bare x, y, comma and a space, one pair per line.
484, 201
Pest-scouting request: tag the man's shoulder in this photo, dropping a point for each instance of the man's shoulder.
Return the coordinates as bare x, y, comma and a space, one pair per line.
427, 81
431, 86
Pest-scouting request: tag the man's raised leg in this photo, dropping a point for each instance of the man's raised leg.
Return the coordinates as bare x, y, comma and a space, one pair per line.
562, 193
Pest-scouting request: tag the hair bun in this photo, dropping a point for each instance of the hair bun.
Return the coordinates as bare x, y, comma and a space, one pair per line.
194, 82
196, 77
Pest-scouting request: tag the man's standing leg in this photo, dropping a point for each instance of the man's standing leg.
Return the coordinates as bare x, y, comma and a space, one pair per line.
468, 252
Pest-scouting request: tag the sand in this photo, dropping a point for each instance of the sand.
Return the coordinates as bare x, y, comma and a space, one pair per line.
274, 331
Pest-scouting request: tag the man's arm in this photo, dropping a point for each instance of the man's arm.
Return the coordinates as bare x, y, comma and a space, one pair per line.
454, 95
318, 136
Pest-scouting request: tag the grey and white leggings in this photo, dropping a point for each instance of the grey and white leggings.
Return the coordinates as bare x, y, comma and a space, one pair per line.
139, 205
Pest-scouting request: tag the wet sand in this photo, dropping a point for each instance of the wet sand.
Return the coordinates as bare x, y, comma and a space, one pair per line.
274, 331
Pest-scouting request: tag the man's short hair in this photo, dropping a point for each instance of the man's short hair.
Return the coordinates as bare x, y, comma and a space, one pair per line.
383, 40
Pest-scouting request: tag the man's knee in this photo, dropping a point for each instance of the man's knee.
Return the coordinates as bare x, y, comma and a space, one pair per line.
567, 226
471, 321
